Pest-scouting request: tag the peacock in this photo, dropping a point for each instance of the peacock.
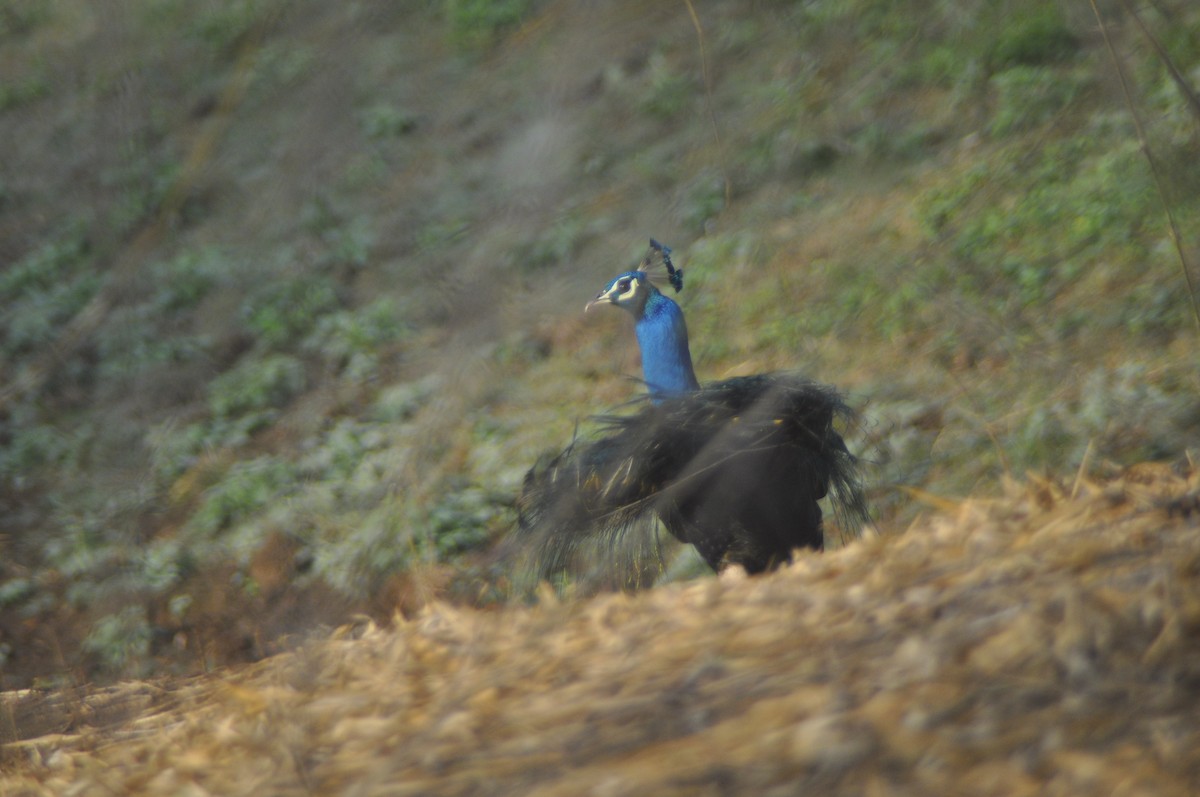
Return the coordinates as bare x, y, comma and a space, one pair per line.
734, 468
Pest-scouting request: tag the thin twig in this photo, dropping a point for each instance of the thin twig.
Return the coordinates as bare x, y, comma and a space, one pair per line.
1172, 227
708, 104
1181, 83
1081, 474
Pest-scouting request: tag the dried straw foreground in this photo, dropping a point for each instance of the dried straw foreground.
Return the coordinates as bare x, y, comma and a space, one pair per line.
1038, 644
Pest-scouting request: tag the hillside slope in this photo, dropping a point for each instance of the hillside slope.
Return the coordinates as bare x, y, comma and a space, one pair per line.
290, 291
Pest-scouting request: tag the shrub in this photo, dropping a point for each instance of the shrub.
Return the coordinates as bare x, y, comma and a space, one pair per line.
256, 385
475, 23
283, 312
384, 120
183, 281
121, 641
465, 518
349, 339
1037, 35
43, 290
1027, 96
668, 92
247, 488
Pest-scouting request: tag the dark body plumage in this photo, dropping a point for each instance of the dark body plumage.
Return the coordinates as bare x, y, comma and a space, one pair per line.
734, 468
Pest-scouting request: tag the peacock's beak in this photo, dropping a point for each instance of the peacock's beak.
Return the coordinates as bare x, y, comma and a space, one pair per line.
605, 297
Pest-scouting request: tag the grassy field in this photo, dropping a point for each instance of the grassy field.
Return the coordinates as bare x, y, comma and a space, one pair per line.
291, 292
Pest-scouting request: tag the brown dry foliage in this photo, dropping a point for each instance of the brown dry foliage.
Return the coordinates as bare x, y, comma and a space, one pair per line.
1041, 643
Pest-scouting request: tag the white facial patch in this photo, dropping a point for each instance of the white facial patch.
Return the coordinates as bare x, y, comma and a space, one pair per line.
626, 289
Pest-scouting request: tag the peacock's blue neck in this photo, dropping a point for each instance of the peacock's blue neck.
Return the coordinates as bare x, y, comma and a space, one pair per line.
662, 337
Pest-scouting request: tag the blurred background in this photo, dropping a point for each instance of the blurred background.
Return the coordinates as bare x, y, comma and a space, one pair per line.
291, 291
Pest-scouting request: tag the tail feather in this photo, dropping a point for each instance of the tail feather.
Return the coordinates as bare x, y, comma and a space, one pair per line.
590, 504
734, 468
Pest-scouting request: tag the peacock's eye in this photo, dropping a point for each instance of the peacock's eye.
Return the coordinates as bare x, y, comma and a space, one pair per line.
623, 285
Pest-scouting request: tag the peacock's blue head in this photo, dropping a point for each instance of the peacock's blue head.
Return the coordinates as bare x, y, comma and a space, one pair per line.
661, 331
630, 291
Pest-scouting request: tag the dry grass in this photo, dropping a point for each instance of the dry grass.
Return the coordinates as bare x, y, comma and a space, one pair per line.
1041, 643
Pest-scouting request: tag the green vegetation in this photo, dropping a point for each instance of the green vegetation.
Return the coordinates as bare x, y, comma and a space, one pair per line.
224, 26
668, 92
474, 23
289, 305
247, 488
1029, 96
122, 641
22, 90
255, 386
43, 290
1039, 35
384, 120
351, 340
